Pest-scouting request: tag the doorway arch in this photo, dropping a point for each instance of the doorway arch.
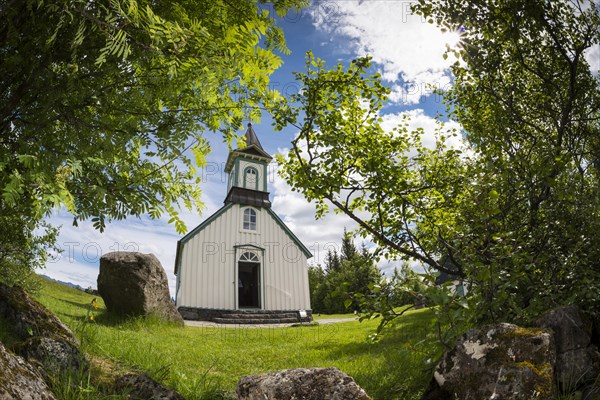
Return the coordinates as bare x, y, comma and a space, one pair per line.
248, 284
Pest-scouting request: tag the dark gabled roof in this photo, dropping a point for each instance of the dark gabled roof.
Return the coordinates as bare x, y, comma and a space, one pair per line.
253, 149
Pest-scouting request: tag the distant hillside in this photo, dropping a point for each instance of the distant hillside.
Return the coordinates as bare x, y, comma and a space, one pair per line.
74, 286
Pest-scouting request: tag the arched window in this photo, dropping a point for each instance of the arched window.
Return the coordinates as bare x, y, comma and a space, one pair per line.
249, 256
249, 219
251, 178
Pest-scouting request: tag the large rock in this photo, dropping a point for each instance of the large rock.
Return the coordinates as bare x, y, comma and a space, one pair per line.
18, 380
569, 330
577, 360
142, 387
44, 338
301, 383
54, 354
28, 318
135, 284
500, 361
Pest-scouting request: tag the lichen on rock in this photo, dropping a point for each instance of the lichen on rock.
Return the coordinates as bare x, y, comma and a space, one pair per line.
19, 380
142, 387
301, 383
500, 361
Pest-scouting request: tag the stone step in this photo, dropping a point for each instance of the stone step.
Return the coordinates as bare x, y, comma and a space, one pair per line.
255, 321
260, 316
245, 314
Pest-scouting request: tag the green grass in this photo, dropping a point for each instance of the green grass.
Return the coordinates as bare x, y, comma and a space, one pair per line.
6, 335
205, 363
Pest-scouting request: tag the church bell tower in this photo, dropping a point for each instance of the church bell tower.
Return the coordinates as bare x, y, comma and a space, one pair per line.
247, 169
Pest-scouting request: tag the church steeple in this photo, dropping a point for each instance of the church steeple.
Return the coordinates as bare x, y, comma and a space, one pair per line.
251, 138
247, 169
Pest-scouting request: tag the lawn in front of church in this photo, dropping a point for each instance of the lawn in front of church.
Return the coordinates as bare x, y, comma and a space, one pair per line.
207, 362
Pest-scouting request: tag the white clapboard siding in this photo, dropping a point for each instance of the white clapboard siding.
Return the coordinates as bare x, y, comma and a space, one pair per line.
207, 263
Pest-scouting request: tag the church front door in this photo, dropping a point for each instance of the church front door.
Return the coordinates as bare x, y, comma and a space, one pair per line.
248, 285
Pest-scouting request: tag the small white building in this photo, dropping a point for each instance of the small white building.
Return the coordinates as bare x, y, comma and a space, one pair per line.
243, 264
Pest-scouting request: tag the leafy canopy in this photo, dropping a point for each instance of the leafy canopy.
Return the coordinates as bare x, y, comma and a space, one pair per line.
100, 101
386, 181
516, 212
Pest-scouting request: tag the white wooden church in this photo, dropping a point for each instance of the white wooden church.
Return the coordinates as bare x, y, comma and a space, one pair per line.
243, 264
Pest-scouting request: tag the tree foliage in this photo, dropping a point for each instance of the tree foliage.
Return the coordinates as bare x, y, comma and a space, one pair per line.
100, 101
24, 248
104, 105
386, 181
516, 211
530, 106
346, 275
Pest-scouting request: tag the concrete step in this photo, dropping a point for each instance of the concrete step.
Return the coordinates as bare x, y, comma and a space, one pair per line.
255, 321
261, 316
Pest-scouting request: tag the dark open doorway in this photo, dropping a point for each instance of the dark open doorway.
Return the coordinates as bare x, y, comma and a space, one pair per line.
248, 285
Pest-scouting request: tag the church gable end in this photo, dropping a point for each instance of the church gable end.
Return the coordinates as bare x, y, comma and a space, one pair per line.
243, 257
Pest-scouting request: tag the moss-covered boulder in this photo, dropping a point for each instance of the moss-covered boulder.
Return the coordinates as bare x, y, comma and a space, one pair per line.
501, 361
142, 387
19, 380
28, 318
301, 383
54, 354
43, 337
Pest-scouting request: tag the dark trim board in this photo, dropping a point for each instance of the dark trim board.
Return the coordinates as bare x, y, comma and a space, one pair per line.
244, 316
287, 230
222, 210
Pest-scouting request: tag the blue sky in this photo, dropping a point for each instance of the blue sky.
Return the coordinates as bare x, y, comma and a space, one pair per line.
405, 49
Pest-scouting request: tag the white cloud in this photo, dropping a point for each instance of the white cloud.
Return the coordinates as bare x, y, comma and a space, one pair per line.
592, 56
408, 50
82, 274
83, 245
418, 119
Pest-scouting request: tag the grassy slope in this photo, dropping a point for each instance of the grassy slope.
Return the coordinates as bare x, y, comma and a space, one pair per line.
200, 362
